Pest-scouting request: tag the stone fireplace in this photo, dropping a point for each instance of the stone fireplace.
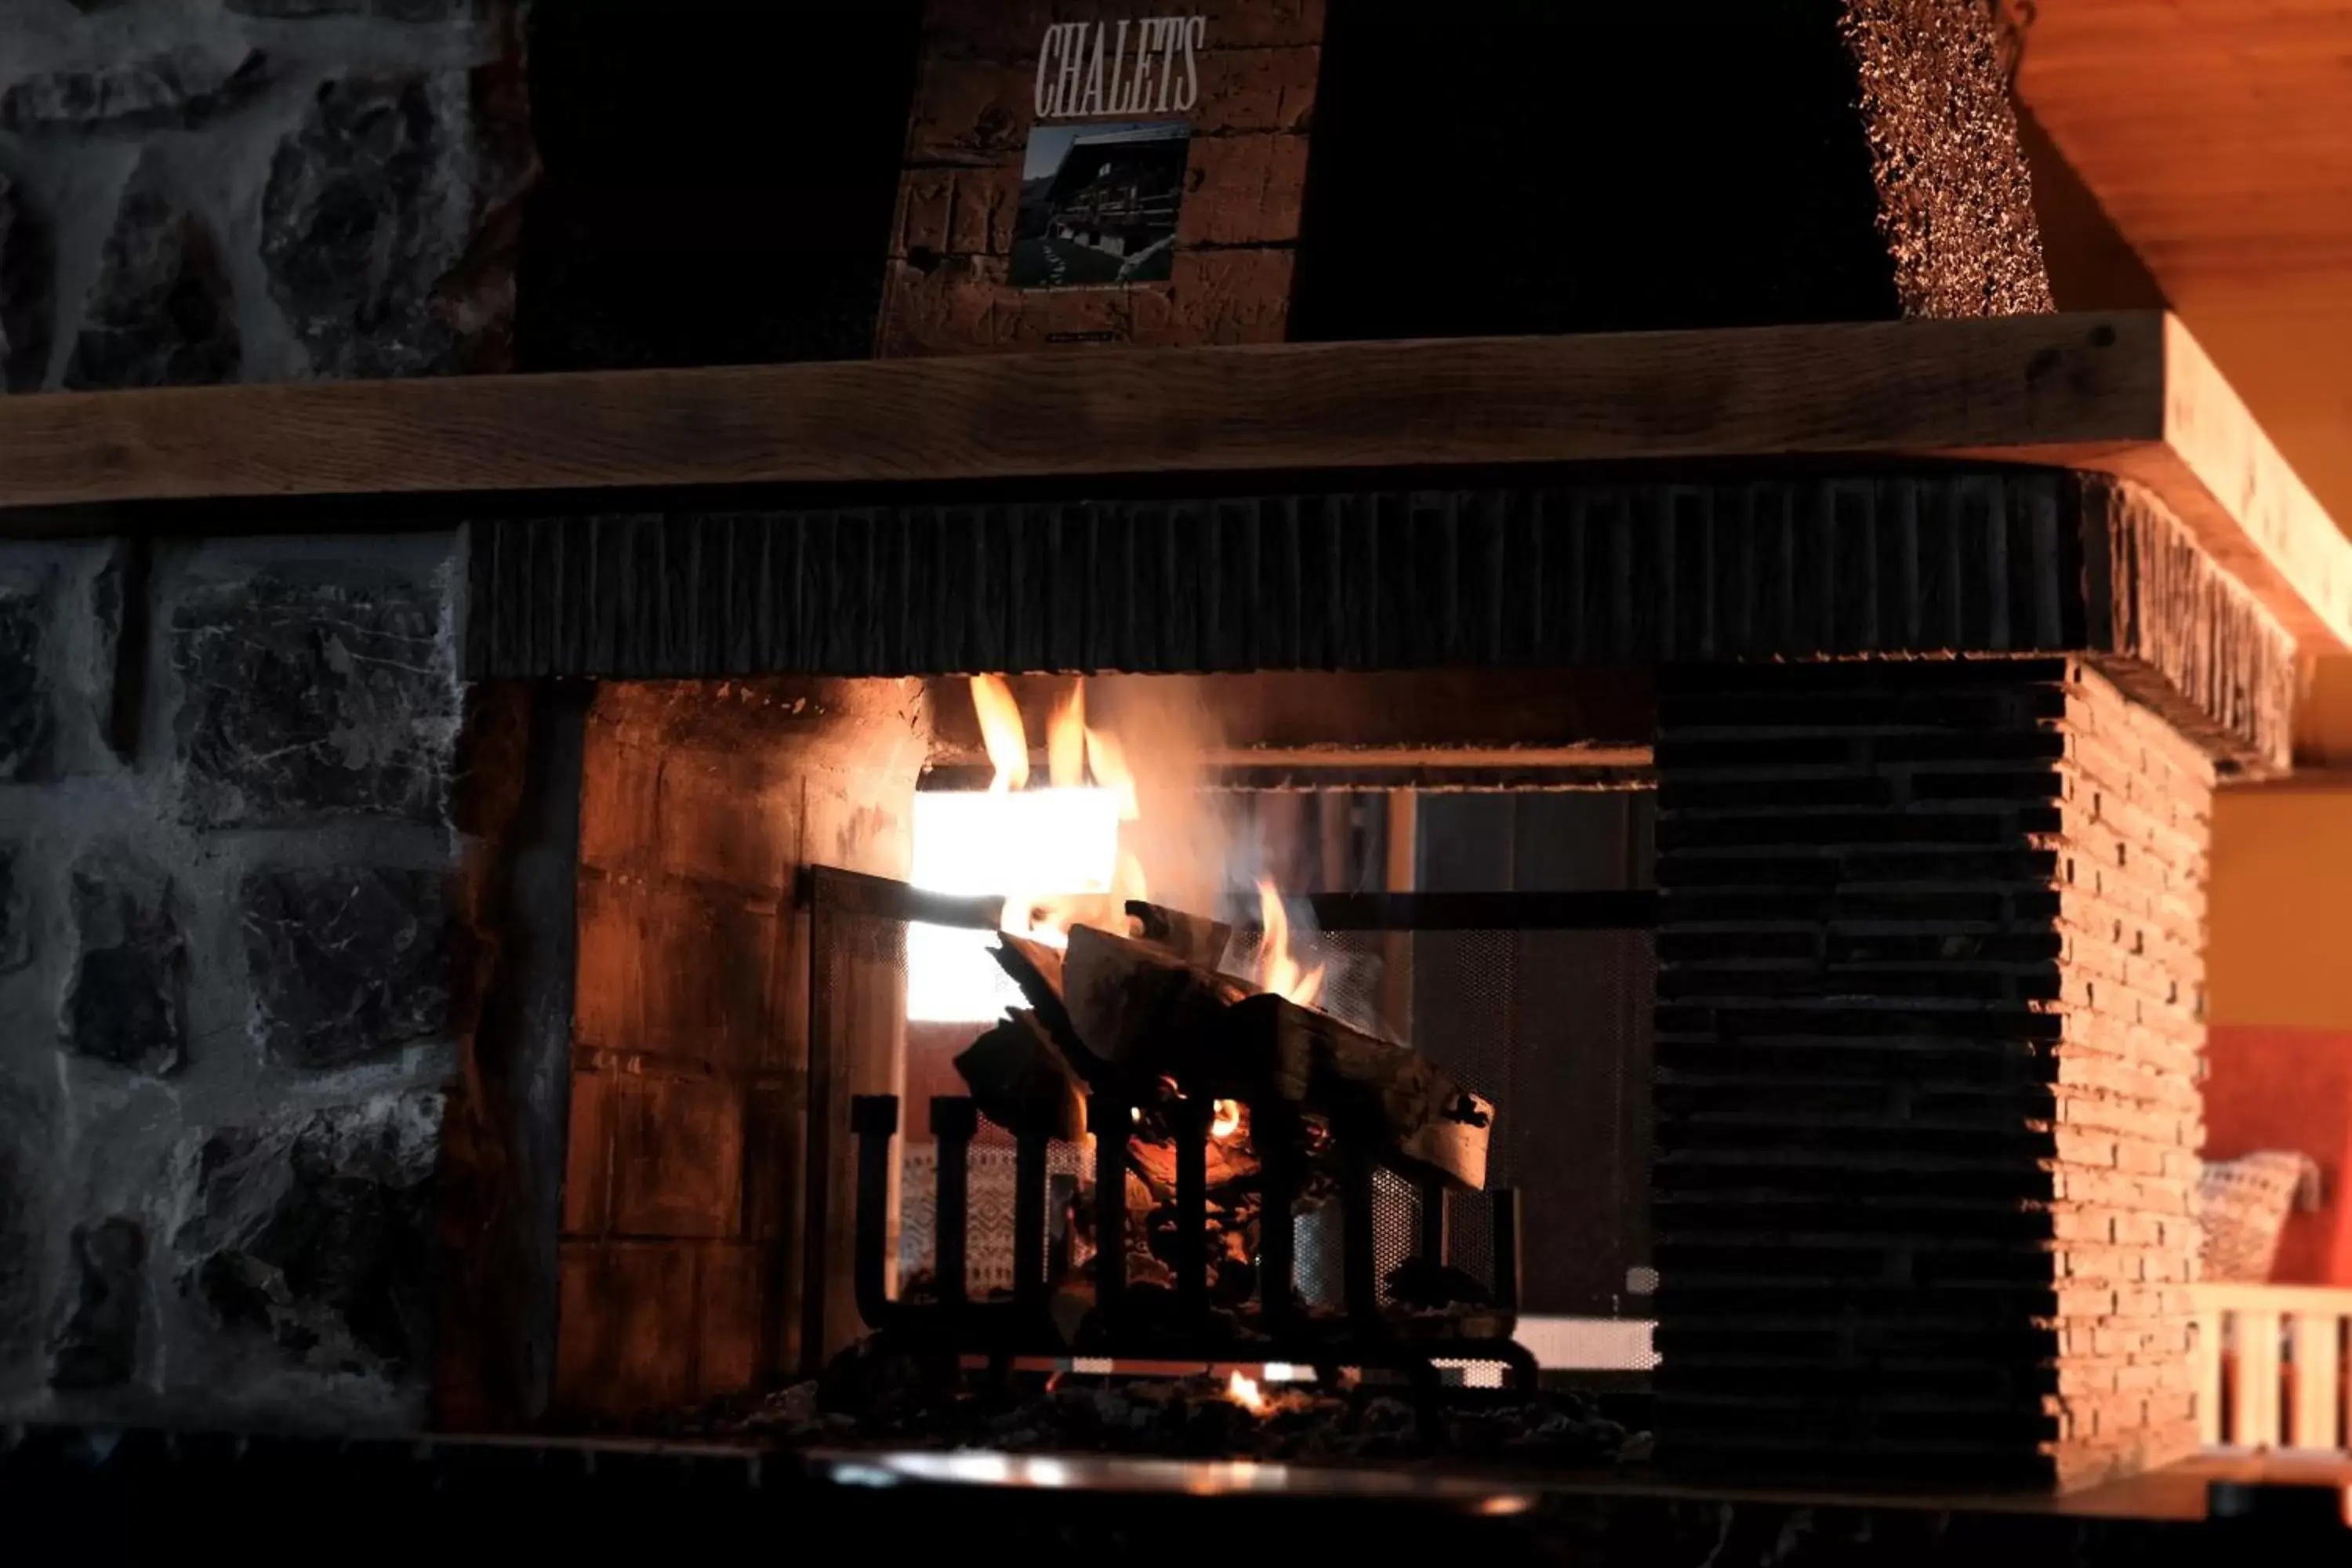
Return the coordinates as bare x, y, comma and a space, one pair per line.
416, 917
410, 794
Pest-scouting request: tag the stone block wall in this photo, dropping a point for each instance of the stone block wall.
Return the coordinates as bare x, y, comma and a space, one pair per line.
197, 191
1929, 1026
233, 1008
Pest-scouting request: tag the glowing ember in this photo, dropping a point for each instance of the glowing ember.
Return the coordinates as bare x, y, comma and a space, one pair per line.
1242, 1390
1226, 1119
1277, 971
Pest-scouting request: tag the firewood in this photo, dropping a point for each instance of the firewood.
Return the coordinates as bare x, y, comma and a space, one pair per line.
1368, 1088
1140, 1006
1038, 970
1195, 938
1020, 1079
1149, 1012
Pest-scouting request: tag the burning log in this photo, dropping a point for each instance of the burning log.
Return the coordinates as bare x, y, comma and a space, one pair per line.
1038, 970
1367, 1087
1141, 1005
1020, 1078
1147, 1021
1148, 1010
1195, 938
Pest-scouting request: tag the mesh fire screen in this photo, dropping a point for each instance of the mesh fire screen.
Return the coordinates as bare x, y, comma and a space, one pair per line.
1553, 1026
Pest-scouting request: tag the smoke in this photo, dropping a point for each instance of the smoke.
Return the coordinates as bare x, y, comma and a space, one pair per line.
1204, 849
1169, 732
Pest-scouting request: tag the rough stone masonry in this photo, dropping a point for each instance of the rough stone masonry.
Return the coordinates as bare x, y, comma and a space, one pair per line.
231, 1005
257, 190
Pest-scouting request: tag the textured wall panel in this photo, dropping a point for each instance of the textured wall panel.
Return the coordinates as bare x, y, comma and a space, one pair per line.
1994, 561
1371, 579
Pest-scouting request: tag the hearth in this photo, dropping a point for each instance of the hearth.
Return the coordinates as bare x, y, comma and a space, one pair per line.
1579, 898
1171, 1137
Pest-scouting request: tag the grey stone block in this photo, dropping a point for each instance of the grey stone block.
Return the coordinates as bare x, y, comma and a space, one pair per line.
162, 311
305, 700
26, 267
345, 962
318, 1235
182, 87
126, 1002
97, 1344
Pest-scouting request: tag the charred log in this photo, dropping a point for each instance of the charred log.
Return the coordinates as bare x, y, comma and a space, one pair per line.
1195, 938
1021, 1079
1038, 970
1367, 1088
1141, 1005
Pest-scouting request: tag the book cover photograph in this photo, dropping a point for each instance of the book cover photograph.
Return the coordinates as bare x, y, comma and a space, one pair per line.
1088, 172
1100, 204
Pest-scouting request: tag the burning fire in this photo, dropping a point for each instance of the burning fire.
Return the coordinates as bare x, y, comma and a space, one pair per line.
1226, 1119
1277, 971
1242, 1390
1001, 731
1067, 813
1054, 847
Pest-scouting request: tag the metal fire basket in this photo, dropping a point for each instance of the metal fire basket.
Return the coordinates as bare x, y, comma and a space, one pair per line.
1020, 1323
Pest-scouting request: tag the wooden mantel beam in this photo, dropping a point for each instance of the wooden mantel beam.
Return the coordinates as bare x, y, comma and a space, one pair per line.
2128, 393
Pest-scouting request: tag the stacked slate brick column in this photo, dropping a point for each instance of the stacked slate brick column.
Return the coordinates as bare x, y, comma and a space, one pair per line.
1928, 1038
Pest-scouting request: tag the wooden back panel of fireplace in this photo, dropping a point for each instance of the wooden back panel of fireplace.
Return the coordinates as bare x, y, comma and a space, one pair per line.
679, 1251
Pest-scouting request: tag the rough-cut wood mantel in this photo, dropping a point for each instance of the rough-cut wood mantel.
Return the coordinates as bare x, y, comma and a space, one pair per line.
2130, 394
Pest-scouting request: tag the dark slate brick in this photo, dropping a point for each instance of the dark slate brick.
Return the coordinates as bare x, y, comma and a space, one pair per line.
97, 1344
304, 698
315, 1235
345, 962
27, 1165
16, 909
126, 1003
28, 721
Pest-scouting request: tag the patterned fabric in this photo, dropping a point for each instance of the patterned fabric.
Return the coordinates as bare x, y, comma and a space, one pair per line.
2243, 1204
988, 1244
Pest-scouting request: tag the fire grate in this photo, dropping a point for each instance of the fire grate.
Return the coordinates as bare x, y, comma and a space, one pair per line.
997, 1301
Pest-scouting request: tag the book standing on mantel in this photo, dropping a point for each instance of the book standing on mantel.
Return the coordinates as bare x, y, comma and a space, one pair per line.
1102, 173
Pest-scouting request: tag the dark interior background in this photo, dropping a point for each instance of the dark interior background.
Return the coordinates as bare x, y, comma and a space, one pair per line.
719, 179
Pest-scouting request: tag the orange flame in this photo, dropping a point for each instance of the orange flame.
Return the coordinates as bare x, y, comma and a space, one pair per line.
1225, 1119
1002, 732
1071, 753
1277, 971
1108, 761
1242, 1390
1066, 740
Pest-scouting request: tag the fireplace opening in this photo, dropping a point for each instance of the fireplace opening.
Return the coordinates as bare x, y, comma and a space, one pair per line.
976, 1042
